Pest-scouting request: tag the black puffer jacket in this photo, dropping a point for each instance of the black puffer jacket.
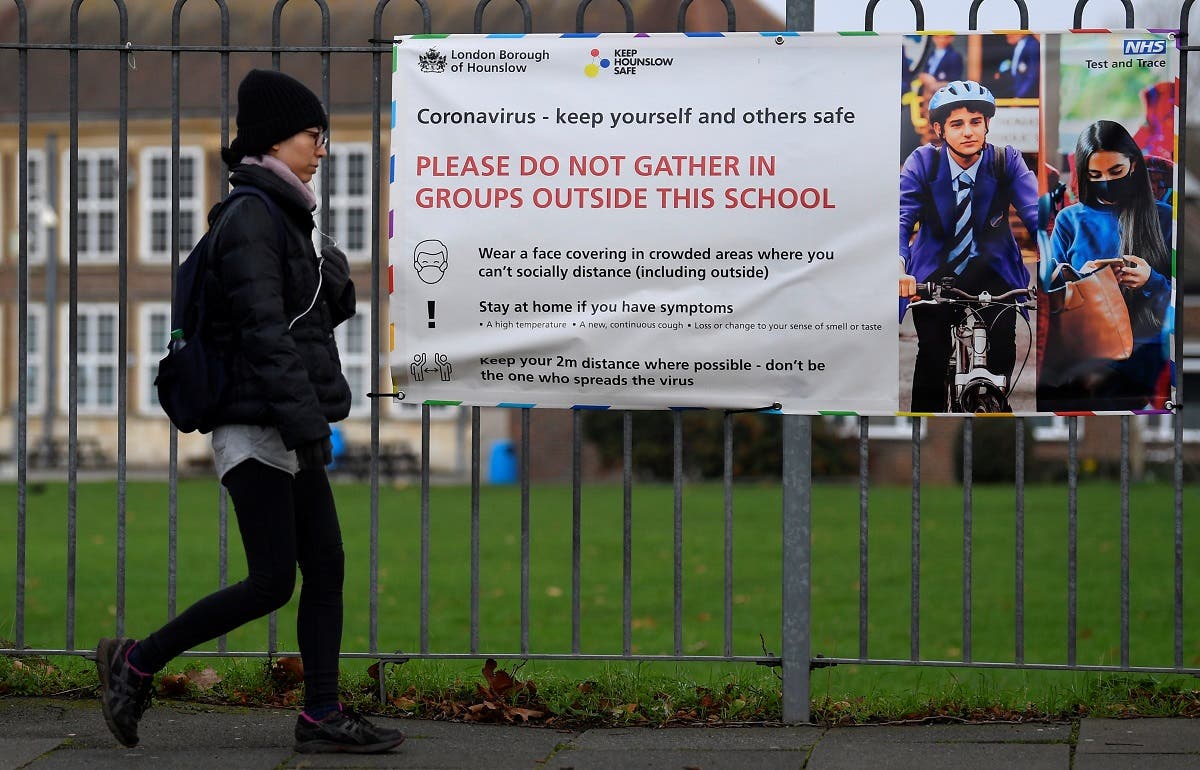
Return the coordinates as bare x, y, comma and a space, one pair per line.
289, 378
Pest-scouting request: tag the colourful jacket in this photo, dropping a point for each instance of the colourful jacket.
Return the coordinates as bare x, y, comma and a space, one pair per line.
1083, 232
927, 198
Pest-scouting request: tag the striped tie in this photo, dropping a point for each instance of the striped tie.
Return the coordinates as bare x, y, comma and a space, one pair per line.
961, 246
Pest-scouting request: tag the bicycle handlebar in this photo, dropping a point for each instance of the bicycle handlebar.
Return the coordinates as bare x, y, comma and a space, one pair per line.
934, 292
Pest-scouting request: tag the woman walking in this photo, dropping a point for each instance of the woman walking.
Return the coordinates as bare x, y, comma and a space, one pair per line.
273, 303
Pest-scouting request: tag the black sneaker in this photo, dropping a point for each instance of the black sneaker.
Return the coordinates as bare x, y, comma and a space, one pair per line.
344, 730
124, 693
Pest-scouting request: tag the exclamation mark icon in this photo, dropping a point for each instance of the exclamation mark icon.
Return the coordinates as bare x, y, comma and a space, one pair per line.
432, 324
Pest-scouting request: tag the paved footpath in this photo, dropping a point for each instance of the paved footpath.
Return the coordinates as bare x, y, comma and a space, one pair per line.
45, 733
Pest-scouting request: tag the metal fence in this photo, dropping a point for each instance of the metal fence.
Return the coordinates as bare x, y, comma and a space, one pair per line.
795, 546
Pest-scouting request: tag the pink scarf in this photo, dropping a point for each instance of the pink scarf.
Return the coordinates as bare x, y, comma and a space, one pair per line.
271, 163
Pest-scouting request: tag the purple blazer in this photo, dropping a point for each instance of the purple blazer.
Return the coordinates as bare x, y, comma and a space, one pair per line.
928, 200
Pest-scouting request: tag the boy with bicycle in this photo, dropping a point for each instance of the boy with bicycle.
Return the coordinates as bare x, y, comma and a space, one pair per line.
956, 198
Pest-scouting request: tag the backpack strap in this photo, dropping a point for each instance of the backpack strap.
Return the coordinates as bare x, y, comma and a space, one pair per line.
201, 267
272, 207
1000, 203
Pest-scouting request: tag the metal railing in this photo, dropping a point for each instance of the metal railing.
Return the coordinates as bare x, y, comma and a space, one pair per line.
795, 552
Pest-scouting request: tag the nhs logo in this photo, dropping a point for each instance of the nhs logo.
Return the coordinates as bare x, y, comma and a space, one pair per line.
1136, 47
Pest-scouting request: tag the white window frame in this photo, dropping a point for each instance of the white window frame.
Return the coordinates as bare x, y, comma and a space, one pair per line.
88, 359
38, 225
1160, 429
342, 201
885, 428
411, 411
151, 348
91, 207
154, 201
1056, 430
35, 355
357, 357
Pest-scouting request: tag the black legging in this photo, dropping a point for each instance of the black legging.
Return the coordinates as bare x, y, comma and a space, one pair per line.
284, 521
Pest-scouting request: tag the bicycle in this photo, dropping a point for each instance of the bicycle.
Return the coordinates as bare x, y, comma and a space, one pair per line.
971, 387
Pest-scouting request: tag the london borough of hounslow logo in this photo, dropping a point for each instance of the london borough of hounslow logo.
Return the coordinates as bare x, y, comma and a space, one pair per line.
432, 61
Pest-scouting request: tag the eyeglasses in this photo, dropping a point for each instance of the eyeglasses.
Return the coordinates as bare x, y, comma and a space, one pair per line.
320, 138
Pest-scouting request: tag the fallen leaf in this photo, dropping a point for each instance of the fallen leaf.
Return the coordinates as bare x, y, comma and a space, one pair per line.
527, 714
287, 672
498, 679
172, 684
206, 679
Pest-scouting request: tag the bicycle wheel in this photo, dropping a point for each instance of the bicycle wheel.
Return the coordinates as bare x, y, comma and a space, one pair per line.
983, 397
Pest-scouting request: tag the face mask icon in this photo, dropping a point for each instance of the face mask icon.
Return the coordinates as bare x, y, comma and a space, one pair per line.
430, 260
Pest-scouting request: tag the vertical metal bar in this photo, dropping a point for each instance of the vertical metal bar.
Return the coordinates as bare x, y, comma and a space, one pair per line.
72, 331
424, 633
22, 447
222, 495
1125, 541
799, 15
627, 534
275, 41
728, 485
1178, 417
1019, 589
914, 621
576, 525
797, 513
475, 458
525, 439
797, 566
222, 552
677, 462
328, 105
1179, 273
376, 342
122, 314
864, 490
967, 531
1072, 533
172, 433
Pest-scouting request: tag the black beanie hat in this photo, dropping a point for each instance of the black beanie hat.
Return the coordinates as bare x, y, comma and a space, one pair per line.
272, 106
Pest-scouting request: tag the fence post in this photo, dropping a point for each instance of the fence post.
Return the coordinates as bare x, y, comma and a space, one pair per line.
797, 565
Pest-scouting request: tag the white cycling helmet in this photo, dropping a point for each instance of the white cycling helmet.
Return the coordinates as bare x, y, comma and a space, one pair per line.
961, 93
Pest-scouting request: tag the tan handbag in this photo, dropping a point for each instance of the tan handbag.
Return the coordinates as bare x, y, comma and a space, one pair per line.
1088, 320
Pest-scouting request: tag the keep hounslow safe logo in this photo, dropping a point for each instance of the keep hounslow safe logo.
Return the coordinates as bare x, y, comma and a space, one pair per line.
624, 61
593, 68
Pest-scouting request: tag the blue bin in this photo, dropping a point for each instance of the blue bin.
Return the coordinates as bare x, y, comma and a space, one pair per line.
337, 446
502, 463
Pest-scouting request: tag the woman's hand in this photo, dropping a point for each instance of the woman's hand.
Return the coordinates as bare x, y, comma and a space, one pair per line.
1134, 273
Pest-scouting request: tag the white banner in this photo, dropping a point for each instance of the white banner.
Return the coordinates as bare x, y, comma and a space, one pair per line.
726, 220
645, 222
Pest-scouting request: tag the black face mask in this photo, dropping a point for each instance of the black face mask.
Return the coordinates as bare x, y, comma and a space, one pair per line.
1116, 191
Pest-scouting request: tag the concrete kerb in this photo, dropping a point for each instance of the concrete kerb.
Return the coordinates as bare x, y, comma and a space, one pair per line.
44, 733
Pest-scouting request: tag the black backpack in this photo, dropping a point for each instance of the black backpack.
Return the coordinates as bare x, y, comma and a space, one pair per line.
191, 377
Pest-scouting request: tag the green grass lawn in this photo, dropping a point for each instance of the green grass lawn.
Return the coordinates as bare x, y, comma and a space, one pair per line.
757, 575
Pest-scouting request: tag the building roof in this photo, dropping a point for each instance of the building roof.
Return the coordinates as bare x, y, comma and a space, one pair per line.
351, 23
